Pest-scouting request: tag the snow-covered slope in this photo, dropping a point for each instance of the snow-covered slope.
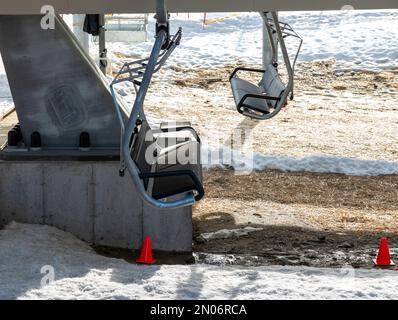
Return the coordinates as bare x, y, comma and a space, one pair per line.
82, 274
356, 39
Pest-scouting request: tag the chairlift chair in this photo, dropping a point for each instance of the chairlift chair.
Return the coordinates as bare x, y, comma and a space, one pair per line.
146, 153
266, 99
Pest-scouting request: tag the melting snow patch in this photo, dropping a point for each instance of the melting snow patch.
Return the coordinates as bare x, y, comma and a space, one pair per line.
229, 233
246, 162
327, 164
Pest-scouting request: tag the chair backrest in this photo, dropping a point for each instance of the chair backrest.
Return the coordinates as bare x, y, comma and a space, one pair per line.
141, 142
272, 84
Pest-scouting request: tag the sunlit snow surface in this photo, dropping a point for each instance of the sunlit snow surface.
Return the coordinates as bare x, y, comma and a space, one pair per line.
79, 273
356, 39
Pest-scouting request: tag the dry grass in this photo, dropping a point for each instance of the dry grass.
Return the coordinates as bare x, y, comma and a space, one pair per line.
321, 202
321, 190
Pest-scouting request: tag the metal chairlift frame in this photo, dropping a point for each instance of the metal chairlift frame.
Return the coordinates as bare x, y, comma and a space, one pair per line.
282, 30
134, 72
144, 70
287, 31
140, 73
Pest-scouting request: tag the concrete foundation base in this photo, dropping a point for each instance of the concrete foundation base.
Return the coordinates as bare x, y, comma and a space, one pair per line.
91, 201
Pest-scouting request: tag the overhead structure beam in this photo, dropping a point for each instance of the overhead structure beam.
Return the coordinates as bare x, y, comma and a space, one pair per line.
139, 6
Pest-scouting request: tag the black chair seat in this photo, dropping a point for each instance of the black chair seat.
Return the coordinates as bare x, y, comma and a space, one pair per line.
169, 161
261, 98
241, 88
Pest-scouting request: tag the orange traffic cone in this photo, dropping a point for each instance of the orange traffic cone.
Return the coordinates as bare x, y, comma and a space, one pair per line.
383, 256
146, 252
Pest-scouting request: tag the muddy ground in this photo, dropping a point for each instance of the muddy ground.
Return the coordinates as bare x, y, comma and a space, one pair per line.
307, 218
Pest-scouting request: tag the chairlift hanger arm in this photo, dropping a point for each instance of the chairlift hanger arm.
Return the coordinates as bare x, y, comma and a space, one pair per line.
272, 87
287, 31
161, 50
130, 128
288, 65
